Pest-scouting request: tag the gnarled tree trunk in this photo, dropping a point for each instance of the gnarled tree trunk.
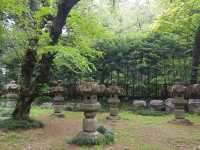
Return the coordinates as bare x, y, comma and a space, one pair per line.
29, 86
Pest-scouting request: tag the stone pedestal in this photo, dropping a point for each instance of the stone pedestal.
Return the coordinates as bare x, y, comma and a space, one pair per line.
58, 100
90, 107
179, 111
178, 91
11, 96
113, 106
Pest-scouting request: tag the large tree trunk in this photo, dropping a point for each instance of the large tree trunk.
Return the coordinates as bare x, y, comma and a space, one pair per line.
29, 86
195, 58
29, 90
22, 110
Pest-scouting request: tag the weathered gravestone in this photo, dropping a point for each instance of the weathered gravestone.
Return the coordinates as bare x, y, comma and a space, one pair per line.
58, 101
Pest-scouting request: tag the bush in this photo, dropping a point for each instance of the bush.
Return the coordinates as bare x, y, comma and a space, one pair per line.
5, 112
11, 124
109, 135
105, 137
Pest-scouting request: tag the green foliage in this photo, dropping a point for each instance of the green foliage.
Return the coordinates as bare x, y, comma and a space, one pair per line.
180, 19
107, 138
44, 88
43, 99
38, 111
10, 124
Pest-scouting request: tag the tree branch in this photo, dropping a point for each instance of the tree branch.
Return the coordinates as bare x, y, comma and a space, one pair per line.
64, 8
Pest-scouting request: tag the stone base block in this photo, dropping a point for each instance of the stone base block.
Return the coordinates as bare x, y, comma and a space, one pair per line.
179, 113
114, 111
58, 108
181, 122
89, 125
139, 104
157, 105
194, 105
60, 115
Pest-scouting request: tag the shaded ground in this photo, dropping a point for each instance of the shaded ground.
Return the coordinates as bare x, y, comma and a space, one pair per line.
132, 131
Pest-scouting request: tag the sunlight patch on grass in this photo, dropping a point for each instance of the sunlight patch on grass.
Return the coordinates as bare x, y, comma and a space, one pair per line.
38, 111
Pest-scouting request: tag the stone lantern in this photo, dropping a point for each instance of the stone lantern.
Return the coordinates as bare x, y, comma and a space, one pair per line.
58, 100
90, 106
178, 92
113, 100
12, 94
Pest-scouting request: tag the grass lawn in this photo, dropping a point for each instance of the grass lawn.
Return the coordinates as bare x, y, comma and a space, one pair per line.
134, 132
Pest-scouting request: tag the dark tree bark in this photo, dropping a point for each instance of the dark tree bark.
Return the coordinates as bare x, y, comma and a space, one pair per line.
195, 58
22, 108
29, 90
31, 82
64, 8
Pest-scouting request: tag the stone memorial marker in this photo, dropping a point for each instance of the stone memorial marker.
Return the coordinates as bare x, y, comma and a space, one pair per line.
90, 107
178, 92
12, 94
113, 102
58, 101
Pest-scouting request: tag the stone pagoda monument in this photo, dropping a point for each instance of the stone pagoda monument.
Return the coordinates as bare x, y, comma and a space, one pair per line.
178, 92
58, 101
113, 101
12, 94
90, 106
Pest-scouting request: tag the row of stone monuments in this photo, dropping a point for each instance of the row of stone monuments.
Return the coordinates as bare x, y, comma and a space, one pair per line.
176, 104
89, 91
192, 101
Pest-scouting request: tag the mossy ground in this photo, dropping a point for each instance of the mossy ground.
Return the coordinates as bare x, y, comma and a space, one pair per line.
133, 131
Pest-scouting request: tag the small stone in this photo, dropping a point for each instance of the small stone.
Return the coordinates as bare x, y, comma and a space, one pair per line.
139, 104
157, 105
169, 105
194, 105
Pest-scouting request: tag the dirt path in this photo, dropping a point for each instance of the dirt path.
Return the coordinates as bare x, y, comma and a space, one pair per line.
57, 131
131, 134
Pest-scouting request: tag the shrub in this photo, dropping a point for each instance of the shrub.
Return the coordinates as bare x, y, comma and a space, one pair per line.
105, 137
11, 124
